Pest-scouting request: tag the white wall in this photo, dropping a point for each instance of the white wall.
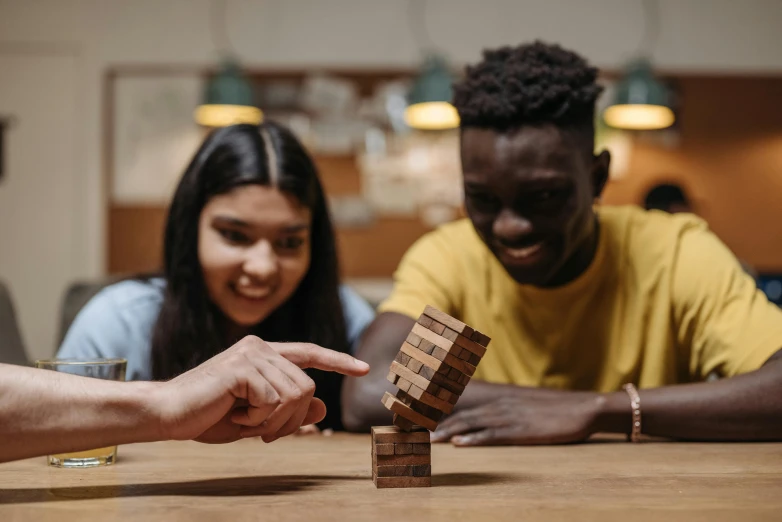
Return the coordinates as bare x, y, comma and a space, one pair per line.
695, 35
39, 214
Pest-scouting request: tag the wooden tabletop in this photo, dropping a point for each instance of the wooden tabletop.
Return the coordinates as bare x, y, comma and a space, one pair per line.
316, 478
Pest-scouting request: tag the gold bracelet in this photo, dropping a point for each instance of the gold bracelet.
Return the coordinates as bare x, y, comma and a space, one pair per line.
635, 404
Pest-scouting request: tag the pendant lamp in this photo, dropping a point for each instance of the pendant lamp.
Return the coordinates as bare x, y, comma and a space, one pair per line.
641, 101
228, 99
429, 103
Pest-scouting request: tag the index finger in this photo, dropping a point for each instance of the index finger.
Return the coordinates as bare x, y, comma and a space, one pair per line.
306, 355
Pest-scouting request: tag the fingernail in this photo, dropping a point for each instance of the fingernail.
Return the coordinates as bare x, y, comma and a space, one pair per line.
360, 364
460, 439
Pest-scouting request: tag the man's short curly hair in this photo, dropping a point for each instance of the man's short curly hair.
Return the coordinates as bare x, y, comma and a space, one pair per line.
526, 85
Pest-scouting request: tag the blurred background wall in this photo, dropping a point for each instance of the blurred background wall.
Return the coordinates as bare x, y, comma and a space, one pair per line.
60, 61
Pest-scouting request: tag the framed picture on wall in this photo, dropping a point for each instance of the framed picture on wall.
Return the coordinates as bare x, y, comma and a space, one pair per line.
153, 135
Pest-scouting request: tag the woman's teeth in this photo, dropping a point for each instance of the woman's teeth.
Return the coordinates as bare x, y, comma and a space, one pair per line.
254, 293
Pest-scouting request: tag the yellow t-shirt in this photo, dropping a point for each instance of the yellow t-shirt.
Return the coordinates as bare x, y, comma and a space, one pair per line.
663, 302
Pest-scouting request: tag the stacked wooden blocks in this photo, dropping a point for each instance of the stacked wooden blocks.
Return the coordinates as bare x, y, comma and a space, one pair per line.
431, 371
401, 459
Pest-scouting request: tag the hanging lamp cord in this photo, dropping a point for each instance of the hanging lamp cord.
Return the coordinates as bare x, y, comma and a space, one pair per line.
651, 28
218, 25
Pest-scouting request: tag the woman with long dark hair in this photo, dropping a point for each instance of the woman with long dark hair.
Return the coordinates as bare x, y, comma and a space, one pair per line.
249, 249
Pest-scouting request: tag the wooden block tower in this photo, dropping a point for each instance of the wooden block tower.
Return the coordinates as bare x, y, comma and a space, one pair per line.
431, 370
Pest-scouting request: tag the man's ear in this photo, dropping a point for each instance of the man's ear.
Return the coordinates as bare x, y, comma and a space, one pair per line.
600, 172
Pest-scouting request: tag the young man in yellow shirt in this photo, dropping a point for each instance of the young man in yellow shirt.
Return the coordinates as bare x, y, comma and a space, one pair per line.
579, 300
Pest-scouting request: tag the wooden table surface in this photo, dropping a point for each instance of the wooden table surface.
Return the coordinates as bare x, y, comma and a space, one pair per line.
317, 478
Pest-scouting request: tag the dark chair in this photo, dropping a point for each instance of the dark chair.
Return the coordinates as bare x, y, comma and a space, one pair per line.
76, 296
11, 345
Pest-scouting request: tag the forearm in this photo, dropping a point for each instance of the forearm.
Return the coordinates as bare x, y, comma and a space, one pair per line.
361, 406
44, 412
743, 408
361, 403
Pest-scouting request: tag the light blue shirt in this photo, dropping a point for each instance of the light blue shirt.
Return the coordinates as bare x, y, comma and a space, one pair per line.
119, 320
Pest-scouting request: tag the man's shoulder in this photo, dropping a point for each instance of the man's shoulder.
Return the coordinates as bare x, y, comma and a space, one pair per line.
635, 225
649, 239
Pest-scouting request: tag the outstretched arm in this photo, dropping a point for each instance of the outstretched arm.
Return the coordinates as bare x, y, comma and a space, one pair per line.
361, 406
252, 389
48, 412
747, 407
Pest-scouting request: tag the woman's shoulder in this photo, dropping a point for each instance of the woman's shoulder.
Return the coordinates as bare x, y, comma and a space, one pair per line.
358, 313
132, 293
351, 299
118, 322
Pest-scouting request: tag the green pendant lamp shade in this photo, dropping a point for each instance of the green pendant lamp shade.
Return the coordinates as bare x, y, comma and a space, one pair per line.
228, 100
641, 101
429, 104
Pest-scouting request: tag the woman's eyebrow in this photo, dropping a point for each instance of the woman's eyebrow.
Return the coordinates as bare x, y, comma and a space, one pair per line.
236, 222
231, 221
298, 227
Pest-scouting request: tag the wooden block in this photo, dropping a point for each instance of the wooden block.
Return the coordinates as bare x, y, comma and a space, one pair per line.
384, 449
407, 460
406, 399
403, 448
405, 373
436, 327
399, 471
447, 320
394, 378
425, 321
439, 354
403, 423
413, 339
444, 382
402, 358
398, 407
402, 482
422, 449
414, 365
469, 344
465, 355
464, 379
424, 470
419, 406
446, 395
404, 384
426, 372
432, 337
474, 359
480, 338
417, 354
455, 374
453, 362
391, 435
431, 400
426, 346
449, 334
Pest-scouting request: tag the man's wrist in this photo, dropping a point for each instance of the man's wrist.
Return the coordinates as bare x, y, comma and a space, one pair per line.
144, 398
614, 413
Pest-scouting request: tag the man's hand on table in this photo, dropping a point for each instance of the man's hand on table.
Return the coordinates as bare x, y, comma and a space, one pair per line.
528, 416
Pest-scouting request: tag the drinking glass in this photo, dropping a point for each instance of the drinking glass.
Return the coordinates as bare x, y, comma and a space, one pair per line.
109, 369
